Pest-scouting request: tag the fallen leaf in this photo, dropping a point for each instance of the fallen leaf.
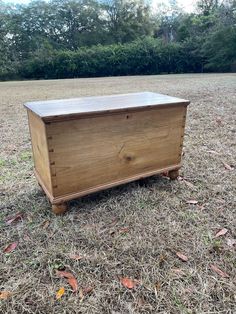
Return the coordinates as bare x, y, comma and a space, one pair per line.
15, 218
128, 283
221, 232
183, 257
227, 167
219, 271
11, 247
192, 202
231, 242
5, 295
70, 279
75, 256
60, 293
73, 283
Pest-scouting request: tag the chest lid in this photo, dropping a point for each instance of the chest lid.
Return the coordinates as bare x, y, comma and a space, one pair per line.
54, 110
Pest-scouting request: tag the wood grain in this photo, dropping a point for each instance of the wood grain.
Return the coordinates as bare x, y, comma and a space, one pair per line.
71, 196
103, 150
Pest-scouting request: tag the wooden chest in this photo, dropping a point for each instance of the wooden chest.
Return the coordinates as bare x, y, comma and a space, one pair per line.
84, 145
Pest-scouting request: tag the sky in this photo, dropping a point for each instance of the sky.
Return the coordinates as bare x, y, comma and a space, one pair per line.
187, 5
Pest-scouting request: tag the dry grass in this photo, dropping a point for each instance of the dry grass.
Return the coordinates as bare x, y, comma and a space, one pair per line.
159, 220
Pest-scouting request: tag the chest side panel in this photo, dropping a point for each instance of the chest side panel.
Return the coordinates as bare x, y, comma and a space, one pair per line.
40, 149
90, 152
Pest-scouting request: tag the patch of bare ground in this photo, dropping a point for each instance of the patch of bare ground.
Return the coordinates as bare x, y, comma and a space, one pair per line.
130, 231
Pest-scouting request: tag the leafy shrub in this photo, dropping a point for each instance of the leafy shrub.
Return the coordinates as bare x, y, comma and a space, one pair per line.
143, 56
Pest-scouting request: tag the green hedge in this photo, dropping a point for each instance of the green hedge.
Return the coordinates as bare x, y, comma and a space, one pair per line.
146, 56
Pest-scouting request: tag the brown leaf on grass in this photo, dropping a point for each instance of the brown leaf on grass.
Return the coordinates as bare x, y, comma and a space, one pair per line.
64, 274
219, 271
75, 257
128, 283
70, 279
192, 202
73, 283
181, 256
5, 295
221, 232
227, 167
60, 293
15, 218
11, 247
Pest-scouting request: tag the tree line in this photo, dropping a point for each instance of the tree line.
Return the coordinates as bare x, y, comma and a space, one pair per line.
86, 38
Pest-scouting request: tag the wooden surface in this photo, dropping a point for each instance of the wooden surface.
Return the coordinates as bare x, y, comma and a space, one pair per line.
94, 153
67, 197
60, 109
40, 150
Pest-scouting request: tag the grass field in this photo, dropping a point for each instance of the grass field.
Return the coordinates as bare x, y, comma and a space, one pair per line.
130, 231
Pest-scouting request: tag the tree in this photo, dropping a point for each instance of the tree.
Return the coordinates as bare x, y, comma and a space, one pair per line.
207, 7
65, 38
127, 20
